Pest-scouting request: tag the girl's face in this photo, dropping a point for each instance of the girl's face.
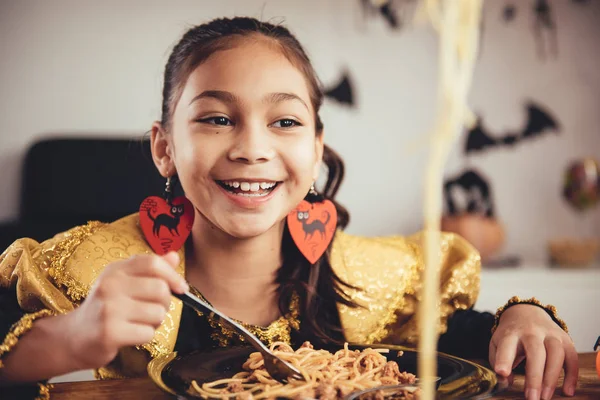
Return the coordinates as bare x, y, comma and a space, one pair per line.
242, 139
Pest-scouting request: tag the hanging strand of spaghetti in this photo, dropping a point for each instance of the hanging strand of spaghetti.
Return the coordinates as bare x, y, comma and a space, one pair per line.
457, 22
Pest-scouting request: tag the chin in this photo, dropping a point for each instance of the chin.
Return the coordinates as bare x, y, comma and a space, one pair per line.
247, 232
247, 228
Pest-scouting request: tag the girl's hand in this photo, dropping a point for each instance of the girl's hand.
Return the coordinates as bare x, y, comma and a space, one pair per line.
527, 332
128, 301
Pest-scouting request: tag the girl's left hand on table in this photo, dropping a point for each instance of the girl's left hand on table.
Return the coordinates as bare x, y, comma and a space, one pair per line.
527, 332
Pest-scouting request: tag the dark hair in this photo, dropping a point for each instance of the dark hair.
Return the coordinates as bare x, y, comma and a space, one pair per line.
319, 288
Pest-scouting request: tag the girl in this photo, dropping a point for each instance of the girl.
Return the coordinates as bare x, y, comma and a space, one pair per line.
240, 129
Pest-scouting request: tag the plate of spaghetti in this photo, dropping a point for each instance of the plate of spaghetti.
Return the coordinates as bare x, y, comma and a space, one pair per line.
343, 373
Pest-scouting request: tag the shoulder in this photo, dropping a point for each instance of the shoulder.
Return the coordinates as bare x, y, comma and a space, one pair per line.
379, 272
385, 252
56, 272
453, 246
82, 253
383, 274
372, 254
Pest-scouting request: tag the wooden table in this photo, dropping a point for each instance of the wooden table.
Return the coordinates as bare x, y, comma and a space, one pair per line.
144, 388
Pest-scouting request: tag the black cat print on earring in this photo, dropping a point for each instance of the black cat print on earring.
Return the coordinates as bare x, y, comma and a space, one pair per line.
166, 222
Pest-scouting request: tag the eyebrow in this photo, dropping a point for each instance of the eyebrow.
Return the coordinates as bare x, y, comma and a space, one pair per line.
225, 97
228, 97
279, 97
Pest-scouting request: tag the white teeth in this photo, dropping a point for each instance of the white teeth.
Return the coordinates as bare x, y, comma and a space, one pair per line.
250, 186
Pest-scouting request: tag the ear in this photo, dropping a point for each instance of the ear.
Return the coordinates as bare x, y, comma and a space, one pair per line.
162, 150
319, 143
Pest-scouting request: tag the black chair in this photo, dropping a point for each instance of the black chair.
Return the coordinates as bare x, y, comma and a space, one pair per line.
68, 182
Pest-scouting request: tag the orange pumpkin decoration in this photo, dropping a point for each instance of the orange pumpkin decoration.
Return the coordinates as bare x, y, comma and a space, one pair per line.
486, 234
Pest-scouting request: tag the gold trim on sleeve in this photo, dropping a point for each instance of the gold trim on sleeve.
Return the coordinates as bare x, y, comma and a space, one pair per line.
63, 251
44, 393
106, 374
550, 309
18, 329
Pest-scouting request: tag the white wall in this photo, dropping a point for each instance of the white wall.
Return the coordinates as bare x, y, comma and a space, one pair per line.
81, 67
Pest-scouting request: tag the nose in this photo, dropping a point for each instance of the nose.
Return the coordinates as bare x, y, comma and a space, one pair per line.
252, 145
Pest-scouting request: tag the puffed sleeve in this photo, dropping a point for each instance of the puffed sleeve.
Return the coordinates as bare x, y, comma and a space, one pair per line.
385, 274
459, 285
27, 292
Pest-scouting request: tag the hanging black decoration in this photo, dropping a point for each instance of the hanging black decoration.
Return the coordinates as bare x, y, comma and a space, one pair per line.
388, 10
509, 12
544, 28
539, 122
342, 92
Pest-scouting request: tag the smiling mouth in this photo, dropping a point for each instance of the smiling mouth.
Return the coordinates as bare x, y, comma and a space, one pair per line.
249, 189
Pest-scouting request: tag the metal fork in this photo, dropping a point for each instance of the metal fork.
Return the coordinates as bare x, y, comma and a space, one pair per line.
279, 369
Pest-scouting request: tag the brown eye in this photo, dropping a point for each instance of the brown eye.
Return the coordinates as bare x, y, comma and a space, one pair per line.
286, 123
222, 121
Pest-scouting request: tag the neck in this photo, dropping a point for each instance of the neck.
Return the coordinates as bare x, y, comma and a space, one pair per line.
238, 276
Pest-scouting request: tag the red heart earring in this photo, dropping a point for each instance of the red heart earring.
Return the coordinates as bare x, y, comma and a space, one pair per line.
312, 225
166, 222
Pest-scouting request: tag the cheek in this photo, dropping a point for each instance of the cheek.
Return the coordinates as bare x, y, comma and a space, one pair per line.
193, 160
301, 159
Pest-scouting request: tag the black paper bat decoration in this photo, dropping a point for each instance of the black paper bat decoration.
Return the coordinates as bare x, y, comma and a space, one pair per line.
477, 191
343, 92
387, 11
390, 16
539, 122
509, 12
541, 10
544, 28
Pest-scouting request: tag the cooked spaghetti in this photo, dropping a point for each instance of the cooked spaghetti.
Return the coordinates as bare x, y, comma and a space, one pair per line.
326, 375
458, 23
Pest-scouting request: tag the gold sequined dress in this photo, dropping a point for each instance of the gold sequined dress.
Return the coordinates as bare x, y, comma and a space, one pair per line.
52, 277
